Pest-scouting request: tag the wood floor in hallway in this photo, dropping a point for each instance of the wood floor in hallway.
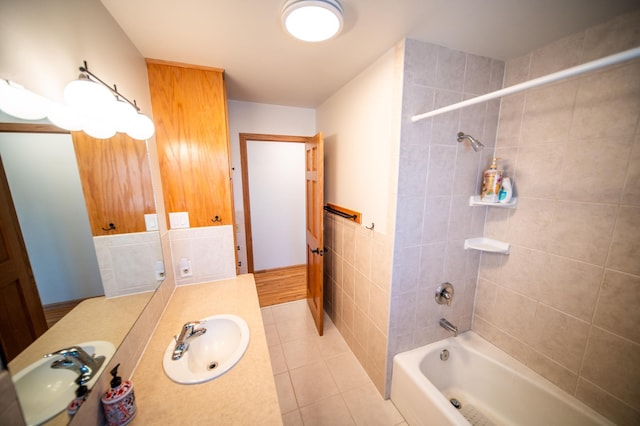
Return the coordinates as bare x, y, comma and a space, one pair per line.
281, 285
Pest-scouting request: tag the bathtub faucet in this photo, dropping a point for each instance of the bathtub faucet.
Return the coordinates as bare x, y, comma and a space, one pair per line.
449, 327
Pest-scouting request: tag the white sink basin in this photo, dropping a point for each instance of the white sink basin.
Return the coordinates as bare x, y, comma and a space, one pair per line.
44, 392
211, 354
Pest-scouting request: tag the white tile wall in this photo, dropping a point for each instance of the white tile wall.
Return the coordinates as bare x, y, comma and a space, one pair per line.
128, 262
210, 249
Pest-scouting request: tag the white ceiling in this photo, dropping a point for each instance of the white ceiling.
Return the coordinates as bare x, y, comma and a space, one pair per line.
263, 64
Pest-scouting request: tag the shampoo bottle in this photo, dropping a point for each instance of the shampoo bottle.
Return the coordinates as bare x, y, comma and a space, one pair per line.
119, 403
491, 182
506, 191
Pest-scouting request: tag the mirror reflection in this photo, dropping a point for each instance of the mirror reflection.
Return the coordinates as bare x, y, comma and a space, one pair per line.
86, 213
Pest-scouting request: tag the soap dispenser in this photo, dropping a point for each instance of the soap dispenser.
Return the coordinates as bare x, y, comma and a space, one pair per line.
81, 396
119, 402
491, 182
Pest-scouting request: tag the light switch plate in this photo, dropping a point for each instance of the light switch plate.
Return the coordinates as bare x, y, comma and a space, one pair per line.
179, 220
151, 222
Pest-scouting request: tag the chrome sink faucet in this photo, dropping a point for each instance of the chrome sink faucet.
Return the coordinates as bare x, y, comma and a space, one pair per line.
188, 332
449, 327
76, 359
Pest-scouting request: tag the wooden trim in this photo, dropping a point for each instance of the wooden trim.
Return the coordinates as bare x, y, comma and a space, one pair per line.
182, 65
280, 269
244, 164
31, 128
358, 215
55, 311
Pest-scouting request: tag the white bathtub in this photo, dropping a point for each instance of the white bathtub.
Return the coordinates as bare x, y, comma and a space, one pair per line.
492, 387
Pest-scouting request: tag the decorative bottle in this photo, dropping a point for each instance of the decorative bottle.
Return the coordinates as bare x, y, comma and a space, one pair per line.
491, 182
119, 402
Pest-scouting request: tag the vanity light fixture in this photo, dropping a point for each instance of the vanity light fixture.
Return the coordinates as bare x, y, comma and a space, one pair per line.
103, 110
312, 20
90, 105
21, 103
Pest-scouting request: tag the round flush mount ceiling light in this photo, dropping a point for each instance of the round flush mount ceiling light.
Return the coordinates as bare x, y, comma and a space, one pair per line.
312, 20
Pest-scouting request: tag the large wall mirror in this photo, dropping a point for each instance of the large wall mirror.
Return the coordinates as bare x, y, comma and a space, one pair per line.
86, 212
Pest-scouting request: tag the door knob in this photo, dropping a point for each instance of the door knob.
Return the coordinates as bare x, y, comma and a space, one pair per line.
318, 251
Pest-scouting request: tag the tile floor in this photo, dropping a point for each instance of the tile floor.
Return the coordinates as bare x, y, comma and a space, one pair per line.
318, 379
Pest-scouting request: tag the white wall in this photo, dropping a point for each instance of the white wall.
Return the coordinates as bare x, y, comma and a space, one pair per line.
43, 42
45, 186
277, 194
361, 139
249, 117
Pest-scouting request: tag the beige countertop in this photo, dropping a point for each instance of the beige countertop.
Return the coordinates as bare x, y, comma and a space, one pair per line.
98, 318
245, 395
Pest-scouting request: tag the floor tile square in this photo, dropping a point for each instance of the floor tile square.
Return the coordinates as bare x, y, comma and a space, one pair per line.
312, 383
368, 408
331, 411
286, 395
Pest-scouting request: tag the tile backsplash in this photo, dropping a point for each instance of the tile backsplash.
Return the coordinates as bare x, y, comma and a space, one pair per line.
566, 301
128, 262
210, 250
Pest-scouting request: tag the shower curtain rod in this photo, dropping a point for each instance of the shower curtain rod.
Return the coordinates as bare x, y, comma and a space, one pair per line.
549, 78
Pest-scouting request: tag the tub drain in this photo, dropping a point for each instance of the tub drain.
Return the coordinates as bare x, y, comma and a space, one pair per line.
455, 403
212, 365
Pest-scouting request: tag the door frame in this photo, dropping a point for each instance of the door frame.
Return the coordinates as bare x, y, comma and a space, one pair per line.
256, 137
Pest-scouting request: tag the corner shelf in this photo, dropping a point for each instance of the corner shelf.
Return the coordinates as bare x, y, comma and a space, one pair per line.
474, 200
486, 244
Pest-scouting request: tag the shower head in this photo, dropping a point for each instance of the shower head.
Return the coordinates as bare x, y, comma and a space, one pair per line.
475, 143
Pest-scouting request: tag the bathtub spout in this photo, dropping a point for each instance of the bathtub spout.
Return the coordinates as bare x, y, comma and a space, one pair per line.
449, 327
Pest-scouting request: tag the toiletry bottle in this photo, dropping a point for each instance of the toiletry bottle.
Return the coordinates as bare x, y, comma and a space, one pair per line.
506, 191
119, 402
81, 396
491, 181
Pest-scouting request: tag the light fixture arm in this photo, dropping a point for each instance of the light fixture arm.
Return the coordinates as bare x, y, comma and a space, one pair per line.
114, 90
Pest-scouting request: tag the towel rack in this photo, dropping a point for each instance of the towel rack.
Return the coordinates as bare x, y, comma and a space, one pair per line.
344, 212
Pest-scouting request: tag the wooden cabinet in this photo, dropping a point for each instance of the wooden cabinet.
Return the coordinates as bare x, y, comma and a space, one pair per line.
190, 114
116, 182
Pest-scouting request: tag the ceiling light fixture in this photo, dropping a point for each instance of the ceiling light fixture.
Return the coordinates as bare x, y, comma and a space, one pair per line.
312, 20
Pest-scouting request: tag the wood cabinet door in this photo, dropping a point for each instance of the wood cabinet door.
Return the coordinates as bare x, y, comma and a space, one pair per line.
116, 182
190, 115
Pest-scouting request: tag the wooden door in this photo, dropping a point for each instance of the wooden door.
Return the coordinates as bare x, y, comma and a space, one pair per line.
314, 171
22, 319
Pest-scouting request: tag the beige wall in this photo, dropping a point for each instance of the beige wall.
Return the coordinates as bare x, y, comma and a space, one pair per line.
361, 131
566, 301
360, 123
